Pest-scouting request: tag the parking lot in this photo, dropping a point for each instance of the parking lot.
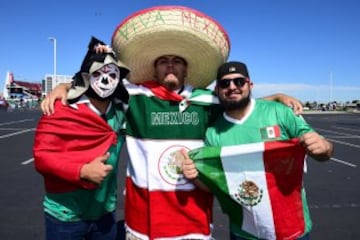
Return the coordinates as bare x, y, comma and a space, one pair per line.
332, 187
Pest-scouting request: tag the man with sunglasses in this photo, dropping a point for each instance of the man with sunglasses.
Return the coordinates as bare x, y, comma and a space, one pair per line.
242, 122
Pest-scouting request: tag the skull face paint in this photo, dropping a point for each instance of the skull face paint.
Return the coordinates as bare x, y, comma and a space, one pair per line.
105, 80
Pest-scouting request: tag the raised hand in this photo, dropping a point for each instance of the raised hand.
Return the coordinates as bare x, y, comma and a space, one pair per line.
188, 166
96, 170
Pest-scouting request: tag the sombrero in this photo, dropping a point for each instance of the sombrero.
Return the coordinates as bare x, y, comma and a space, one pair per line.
171, 30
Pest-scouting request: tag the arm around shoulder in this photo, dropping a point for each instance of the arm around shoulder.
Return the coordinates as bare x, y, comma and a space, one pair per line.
289, 101
59, 92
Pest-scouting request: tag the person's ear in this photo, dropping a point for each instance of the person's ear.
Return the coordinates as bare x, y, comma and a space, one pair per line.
251, 84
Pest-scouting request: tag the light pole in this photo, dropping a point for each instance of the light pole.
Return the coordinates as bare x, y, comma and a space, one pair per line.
331, 87
54, 41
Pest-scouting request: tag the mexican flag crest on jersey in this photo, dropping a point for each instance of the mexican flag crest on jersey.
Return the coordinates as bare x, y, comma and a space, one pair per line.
270, 132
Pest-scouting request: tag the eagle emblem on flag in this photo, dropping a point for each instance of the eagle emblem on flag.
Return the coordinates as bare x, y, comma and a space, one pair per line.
170, 163
249, 193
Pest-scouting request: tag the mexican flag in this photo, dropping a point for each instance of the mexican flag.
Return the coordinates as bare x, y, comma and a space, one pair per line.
160, 203
258, 185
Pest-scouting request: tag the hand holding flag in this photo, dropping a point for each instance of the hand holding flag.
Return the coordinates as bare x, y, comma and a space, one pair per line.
258, 186
188, 166
317, 146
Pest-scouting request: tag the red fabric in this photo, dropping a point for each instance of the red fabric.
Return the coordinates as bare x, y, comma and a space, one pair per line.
184, 217
161, 92
65, 141
284, 181
277, 131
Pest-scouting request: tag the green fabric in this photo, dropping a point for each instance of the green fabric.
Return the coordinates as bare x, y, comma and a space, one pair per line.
146, 118
265, 113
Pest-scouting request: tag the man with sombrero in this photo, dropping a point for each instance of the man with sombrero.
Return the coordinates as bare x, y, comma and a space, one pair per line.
170, 50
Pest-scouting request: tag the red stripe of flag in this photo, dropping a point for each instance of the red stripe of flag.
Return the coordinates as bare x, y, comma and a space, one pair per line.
284, 174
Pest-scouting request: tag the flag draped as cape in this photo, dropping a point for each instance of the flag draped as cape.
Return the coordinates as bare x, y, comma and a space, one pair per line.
65, 141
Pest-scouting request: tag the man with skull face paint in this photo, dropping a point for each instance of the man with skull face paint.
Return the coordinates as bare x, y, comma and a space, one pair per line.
77, 149
105, 80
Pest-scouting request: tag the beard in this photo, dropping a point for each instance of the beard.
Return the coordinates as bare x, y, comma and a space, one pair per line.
235, 105
171, 85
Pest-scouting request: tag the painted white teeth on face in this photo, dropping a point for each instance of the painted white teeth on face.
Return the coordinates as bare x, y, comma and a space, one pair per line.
109, 72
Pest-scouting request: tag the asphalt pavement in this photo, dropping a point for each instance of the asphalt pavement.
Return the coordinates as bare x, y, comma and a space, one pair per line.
332, 187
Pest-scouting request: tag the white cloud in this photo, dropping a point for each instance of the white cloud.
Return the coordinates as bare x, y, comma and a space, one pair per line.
306, 92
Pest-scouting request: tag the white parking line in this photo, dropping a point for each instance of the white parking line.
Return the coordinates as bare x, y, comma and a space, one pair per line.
24, 120
345, 143
27, 161
346, 205
334, 132
17, 133
342, 137
347, 129
11, 129
343, 162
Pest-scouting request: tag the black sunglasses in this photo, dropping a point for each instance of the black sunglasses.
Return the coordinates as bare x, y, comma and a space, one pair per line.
225, 83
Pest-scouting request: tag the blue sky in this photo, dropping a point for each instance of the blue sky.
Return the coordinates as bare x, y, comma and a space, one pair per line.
309, 49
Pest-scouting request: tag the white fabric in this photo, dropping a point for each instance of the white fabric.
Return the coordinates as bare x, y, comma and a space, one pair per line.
159, 170
236, 174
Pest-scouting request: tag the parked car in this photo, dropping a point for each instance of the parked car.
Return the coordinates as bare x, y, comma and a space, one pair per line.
3, 104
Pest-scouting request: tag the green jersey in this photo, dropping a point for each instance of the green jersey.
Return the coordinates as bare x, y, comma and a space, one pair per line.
265, 121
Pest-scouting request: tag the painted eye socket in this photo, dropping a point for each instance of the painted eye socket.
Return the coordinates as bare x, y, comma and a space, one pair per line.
96, 74
113, 75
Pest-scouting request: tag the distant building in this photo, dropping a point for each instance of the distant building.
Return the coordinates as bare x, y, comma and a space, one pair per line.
51, 81
353, 106
16, 89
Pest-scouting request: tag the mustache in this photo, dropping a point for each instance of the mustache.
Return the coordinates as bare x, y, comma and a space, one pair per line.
235, 105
